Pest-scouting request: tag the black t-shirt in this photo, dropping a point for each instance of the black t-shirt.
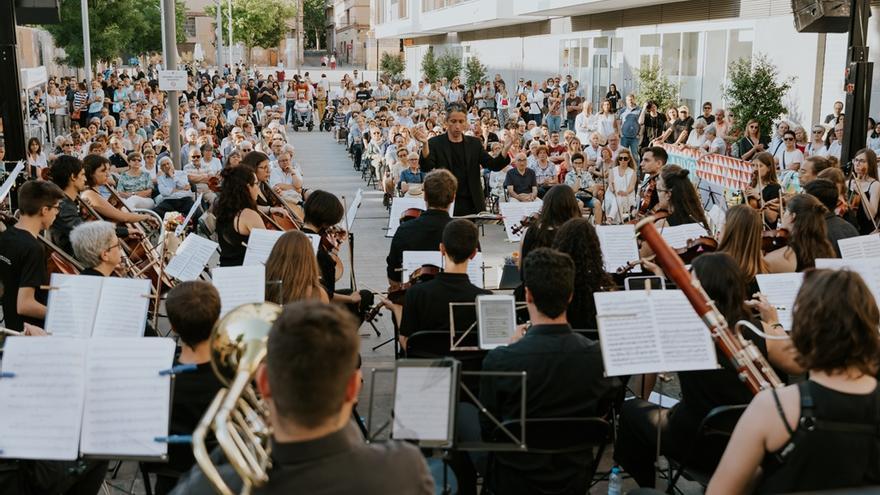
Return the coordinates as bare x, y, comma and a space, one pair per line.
427, 304
362, 94
420, 234
459, 168
266, 99
193, 393
22, 264
679, 126
654, 127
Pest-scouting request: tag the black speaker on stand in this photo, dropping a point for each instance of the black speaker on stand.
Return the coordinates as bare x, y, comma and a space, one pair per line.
10, 87
821, 16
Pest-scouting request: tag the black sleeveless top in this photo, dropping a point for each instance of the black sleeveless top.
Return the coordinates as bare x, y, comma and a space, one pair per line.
232, 244
865, 224
835, 445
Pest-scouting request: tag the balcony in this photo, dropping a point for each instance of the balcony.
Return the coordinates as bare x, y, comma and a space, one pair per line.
558, 8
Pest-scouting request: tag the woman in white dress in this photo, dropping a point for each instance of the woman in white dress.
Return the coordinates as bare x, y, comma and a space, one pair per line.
621, 196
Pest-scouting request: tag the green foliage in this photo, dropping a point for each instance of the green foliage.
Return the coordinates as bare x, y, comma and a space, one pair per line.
392, 66
116, 27
656, 87
450, 65
255, 23
475, 72
314, 22
430, 68
754, 91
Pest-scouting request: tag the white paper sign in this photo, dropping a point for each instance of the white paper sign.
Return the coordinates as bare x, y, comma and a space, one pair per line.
650, 332
191, 258
863, 246
781, 290
513, 213
172, 80
619, 247
239, 285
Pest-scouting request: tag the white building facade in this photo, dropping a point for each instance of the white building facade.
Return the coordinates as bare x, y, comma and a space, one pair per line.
601, 42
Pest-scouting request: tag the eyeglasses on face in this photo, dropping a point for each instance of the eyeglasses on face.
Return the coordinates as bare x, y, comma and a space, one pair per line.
788, 139
623, 158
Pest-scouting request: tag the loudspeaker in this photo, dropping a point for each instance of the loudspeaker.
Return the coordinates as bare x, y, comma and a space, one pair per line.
38, 11
821, 16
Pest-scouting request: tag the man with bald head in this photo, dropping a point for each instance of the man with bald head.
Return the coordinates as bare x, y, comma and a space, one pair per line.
521, 183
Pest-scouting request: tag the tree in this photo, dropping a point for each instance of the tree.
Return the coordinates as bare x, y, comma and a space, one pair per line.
116, 27
450, 65
314, 23
430, 68
392, 66
255, 23
754, 91
655, 86
474, 71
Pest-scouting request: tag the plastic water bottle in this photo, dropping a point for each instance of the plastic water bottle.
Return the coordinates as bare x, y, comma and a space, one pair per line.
615, 482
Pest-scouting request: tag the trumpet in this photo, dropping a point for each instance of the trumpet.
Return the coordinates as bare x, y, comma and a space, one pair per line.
237, 416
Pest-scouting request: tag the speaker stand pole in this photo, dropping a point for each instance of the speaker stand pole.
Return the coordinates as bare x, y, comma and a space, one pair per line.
858, 83
10, 85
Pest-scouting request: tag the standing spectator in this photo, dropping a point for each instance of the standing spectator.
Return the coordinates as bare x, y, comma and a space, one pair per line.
628, 125
57, 104
535, 98
836, 114
836, 146
652, 122
554, 111
96, 100
572, 106
788, 155
752, 143
219, 93
776, 141
816, 146
606, 120
707, 113
504, 104
613, 96
81, 105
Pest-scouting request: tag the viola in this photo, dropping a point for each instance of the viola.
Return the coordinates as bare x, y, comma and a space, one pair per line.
397, 292
647, 194
771, 240
696, 247
525, 223
331, 239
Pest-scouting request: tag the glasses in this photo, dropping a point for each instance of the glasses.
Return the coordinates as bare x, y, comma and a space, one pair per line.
135, 159
788, 139
118, 244
817, 131
859, 160
623, 158
54, 207
664, 190
192, 157
707, 108
414, 160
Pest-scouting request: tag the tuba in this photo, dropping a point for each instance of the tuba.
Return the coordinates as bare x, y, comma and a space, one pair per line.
237, 416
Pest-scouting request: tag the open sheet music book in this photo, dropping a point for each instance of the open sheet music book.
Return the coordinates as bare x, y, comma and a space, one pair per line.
861, 247
781, 290
869, 269
100, 397
239, 285
651, 332
677, 237
261, 242
413, 260
513, 212
619, 247
85, 305
191, 258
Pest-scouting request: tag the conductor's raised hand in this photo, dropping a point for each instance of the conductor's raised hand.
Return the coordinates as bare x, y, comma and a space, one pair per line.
421, 134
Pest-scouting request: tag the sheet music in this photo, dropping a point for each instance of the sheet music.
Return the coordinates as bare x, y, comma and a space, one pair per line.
869, 269
259, 246
128, 402
421, 403
863, 246
180, 228
239, 285
496, 320
512, 213
10, 180
678, 236
717, 217
475, 270
647, 332
781, 290
122, 307
398, 206
353, 209
619, 247
191, 258
413, 260
42, 405
72, 304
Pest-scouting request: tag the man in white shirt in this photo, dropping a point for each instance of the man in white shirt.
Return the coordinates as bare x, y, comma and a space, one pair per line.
192, 136
285, 179
324, 82
212, 163
403, 117
836, 147
536, 101
220, 92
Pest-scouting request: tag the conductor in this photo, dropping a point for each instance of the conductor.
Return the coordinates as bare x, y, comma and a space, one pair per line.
462, 155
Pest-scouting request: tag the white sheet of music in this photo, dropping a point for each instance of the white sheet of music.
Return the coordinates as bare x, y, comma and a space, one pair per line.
475, 270
869, 269
863, 246
421, 403
678, 236
191, 258
42, 404
398, 206
781, 290
239, 285
619, 247
10, 180
122, 308
128, 402
413, 260
644, 332
512, 213
259, 246
353, 209
496, 320
72, 304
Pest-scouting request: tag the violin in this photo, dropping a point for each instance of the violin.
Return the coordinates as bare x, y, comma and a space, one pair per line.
647, 194
696, 247
331, 239
397, 292
410, 214
525, 223
771, 240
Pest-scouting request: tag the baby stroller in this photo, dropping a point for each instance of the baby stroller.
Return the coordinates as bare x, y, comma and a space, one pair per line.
303, 117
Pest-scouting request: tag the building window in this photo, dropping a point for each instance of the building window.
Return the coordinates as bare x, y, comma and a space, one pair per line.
390, 10
429, 5
190, 26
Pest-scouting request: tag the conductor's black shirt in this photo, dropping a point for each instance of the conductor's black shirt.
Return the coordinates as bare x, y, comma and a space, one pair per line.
419, 234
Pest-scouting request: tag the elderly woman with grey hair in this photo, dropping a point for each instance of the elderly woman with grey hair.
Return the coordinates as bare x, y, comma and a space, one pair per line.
96, 246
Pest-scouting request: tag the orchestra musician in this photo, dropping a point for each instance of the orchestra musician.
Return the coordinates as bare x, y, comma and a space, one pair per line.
804, 218
578, 239
236, 212
837, 228
654, 159
701, 391
867, 188
742, 240
97, 169
68, 174
310, 413
425, 232
292, 272
23, 269
827, 436
842, 209
679, 199
763, 193
258, 162
96, 246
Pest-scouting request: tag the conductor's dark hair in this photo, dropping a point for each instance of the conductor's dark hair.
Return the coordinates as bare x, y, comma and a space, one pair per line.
92, 163
311, 355
658, 153
460, 239
824, 190
456, 106
549, 277
63, 168
34, 195
193, 309
323, 209
440, 187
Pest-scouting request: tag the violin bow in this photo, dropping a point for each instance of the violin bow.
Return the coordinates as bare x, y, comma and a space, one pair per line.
352, 279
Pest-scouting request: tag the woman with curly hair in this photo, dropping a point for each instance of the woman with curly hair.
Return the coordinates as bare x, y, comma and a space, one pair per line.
236, 212
804, 218
578, 239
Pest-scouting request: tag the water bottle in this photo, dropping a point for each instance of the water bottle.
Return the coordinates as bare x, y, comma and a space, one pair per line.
615, 482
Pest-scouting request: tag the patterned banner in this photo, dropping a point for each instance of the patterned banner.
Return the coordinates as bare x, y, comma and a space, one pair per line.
731, 174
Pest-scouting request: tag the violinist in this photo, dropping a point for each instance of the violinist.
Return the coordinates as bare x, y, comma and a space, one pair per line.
97, 170
323, 211
23, 268
679, 199
292, 272
425, 232
804, 218
763, 193
837, 228
842, 209
866, 187
742, 240
236, 212
653, 160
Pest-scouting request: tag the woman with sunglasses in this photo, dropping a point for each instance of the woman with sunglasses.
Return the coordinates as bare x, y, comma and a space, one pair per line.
751, 143
621, 198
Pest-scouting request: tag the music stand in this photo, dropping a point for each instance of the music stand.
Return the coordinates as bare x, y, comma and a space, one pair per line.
453, 342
